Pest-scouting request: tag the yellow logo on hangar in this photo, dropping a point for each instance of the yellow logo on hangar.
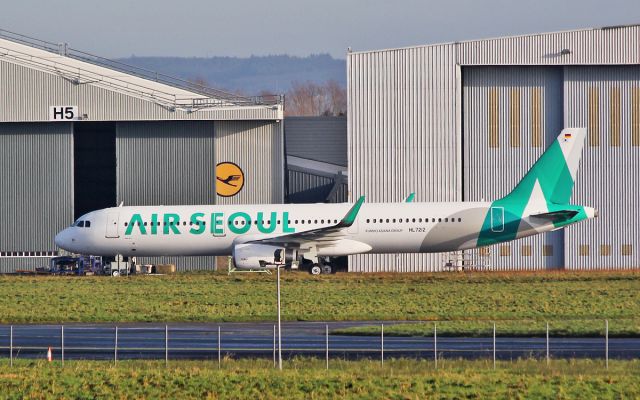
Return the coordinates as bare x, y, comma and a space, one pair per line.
230, 179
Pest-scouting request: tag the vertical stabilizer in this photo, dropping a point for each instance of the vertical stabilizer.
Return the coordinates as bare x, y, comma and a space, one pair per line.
552, 177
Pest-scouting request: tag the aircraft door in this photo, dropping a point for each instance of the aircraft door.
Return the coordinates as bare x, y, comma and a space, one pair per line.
113, 222
497, 219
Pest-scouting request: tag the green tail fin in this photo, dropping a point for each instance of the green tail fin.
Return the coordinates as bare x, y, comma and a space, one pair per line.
555, 171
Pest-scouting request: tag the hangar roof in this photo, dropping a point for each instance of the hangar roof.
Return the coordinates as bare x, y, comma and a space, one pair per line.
173, 94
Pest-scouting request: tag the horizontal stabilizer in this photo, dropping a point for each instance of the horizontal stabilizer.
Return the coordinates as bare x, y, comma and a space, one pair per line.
557, 215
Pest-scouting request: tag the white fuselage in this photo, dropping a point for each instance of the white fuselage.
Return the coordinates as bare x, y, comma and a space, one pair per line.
214, 229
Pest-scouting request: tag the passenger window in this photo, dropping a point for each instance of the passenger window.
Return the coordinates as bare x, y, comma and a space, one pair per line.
126, 223
459, 219
367, 221
145, 223
439, 219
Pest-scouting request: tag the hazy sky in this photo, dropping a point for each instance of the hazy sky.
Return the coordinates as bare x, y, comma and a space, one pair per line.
119, 28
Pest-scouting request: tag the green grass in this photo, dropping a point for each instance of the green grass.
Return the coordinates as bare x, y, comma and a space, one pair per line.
307, 379
209, 297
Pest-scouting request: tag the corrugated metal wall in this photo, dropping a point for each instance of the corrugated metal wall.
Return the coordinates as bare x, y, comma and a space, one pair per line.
257, 147
27, 93
167, 163
317, 138
614, 45
607, 101
37, 189
402, 135
307, 187
511, 115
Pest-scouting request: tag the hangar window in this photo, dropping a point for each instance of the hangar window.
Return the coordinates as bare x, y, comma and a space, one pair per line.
605, 250
505, 250
627, 249
526, 250
547, 250
584, 250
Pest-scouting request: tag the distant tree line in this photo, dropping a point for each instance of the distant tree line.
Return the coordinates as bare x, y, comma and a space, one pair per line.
313, 99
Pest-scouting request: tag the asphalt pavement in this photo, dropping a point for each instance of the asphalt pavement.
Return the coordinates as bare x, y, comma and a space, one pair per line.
201, 341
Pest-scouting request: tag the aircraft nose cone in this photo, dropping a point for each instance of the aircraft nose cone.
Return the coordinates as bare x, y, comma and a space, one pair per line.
62, 239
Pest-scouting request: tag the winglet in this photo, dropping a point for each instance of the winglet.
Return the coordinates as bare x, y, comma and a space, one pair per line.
348, 219
409, 198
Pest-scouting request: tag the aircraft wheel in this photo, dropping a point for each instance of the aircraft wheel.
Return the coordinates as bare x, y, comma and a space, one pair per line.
315, 270
327, 269
115, 273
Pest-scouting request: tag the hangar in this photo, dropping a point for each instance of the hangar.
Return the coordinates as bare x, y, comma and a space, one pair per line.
79, 132
463, 122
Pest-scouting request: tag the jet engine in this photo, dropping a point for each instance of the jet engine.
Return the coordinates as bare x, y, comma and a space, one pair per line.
260, 256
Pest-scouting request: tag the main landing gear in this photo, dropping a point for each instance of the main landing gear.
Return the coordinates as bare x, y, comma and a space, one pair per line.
320, 268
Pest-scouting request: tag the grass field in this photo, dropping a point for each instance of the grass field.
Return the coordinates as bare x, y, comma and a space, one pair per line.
475, 299
307, 379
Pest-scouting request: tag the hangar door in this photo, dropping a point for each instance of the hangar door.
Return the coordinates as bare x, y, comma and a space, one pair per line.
510, 116
606, 99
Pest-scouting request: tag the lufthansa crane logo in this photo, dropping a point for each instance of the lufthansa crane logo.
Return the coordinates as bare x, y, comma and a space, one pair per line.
229, 179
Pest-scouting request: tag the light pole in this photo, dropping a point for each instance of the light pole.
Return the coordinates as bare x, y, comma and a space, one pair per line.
279, 326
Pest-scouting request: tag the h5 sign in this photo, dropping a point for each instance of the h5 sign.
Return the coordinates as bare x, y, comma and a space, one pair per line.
63, 113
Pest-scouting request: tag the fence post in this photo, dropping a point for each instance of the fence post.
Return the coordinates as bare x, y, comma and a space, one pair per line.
547, 343
166, 345
327, 345
606, 343
11, 346
435, 344
115, 347
62, 344
274, 346
219, 349
494, 345
382, 344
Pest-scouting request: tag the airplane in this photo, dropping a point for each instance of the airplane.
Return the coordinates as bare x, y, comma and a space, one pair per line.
265, 236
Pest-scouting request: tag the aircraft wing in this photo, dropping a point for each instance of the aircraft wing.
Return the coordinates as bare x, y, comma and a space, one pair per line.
324, 236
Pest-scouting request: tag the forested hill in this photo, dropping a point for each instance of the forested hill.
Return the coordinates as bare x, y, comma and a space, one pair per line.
248, 75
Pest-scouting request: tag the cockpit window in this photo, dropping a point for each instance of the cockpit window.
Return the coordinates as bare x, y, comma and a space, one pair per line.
80, 224
87, 224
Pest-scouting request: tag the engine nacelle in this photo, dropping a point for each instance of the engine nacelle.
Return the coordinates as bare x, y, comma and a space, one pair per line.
260, 256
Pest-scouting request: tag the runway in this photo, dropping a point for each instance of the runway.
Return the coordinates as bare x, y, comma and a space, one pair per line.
200, 341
